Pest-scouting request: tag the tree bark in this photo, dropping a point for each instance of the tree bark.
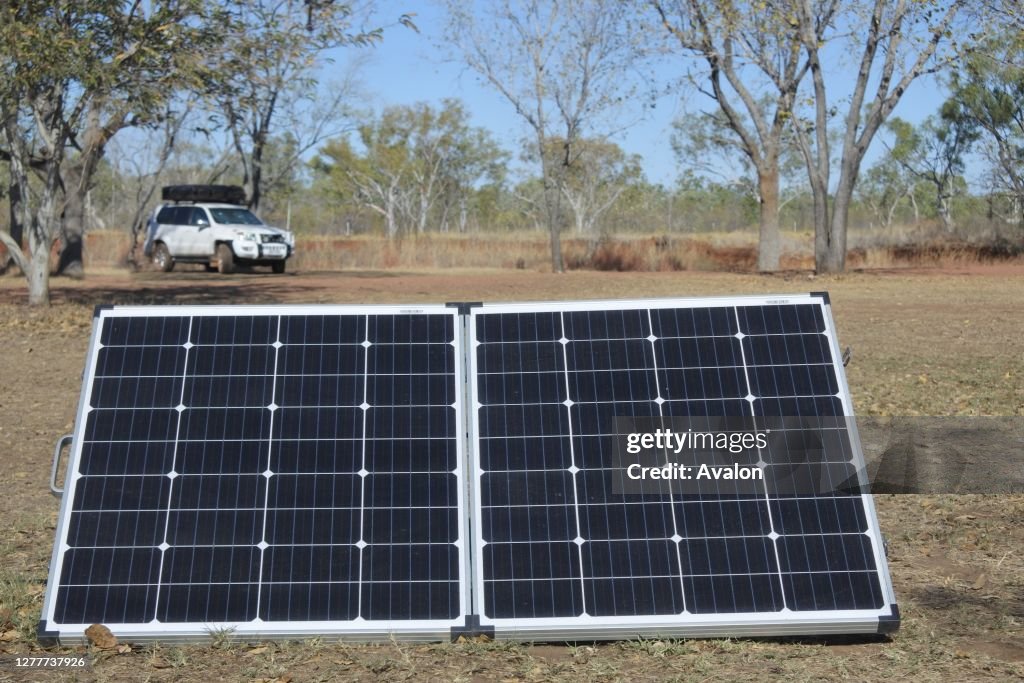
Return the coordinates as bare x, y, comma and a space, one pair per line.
557, 265
72, 251
945, 215
769, 249
39, 275
16, 218
832, 257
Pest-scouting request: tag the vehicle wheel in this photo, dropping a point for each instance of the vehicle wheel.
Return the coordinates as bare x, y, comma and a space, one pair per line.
278, 266
162, 258
225, 259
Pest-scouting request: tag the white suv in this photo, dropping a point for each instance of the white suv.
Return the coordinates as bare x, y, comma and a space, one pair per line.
217, 234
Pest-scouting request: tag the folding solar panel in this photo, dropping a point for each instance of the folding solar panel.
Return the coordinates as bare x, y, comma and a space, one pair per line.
275, 471
562, 550
421, 472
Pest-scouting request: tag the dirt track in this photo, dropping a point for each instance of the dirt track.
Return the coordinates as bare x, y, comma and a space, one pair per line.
924, 343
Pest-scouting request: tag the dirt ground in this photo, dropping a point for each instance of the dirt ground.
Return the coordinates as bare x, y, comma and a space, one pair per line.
924, 342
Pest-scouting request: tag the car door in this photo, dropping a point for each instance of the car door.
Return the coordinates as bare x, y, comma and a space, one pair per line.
202, 237
169, 230
190, 232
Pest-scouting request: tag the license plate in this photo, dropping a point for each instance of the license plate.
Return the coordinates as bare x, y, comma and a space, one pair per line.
274, 250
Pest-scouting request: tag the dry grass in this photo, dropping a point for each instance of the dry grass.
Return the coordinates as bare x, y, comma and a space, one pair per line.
732, 251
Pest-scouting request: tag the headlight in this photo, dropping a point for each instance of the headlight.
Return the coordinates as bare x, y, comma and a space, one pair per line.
247, 236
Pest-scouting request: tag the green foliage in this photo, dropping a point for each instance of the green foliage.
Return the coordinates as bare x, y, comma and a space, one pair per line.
72, 74
416, 166
988, 95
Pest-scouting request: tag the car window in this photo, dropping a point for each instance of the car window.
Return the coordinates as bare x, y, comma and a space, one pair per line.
167, 215
235, 217
197, 217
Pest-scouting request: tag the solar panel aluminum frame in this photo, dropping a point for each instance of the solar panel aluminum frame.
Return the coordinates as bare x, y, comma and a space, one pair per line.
783, 623
360, 630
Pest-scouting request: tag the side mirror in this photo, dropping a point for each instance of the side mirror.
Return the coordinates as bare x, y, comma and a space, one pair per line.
202, 223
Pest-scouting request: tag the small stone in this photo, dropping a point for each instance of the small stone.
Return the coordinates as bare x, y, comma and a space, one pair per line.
101, 636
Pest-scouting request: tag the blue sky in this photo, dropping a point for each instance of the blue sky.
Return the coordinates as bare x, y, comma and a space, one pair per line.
410, 67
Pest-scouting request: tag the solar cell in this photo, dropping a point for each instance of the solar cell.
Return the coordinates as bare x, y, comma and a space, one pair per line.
269, 470
560, 552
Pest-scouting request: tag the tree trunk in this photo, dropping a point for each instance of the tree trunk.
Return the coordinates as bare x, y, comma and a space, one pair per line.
832, 257
73, 224
768, 242
822, 229
15, 216
39, 274
556, 247
945, 215
552, 207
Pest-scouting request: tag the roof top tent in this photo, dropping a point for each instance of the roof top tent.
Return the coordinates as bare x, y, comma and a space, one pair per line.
220, 194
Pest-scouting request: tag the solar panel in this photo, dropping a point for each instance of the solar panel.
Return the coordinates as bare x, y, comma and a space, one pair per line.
563, 550
268, 470
422, 472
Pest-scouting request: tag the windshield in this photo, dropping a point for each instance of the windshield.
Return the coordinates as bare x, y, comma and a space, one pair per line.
235, 217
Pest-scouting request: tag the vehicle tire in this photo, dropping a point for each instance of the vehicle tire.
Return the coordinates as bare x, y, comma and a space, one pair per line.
225, 259
162, 258
278, 266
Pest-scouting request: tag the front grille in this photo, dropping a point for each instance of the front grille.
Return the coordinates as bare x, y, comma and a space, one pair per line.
271, 238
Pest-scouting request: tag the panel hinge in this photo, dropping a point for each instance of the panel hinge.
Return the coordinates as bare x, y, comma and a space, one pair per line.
472, 630
464, 306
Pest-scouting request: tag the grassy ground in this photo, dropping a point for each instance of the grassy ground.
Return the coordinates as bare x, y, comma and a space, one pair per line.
929, 343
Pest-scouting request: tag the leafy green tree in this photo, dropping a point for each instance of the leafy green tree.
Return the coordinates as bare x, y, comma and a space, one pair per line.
597, 178
74, 73
414, 166
937, 157
889, 183
988, 95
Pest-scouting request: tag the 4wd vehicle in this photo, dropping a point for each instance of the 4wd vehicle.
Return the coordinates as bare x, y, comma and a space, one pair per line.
209, 224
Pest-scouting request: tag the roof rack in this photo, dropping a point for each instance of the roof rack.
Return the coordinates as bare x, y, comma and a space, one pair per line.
225, 194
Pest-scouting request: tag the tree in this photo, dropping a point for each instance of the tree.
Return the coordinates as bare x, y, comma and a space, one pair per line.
706, 144
886, 184
265, 77
600, 174
754, 67
561, 67
414, 165
988, 95
898, 43
74, 74
936, 156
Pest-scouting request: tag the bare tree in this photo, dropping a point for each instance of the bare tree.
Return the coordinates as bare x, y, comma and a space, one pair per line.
896, 42
754, 66
562, 67
145, 168
266, 78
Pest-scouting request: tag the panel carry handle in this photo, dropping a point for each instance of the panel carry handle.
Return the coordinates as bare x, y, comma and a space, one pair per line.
62, 442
